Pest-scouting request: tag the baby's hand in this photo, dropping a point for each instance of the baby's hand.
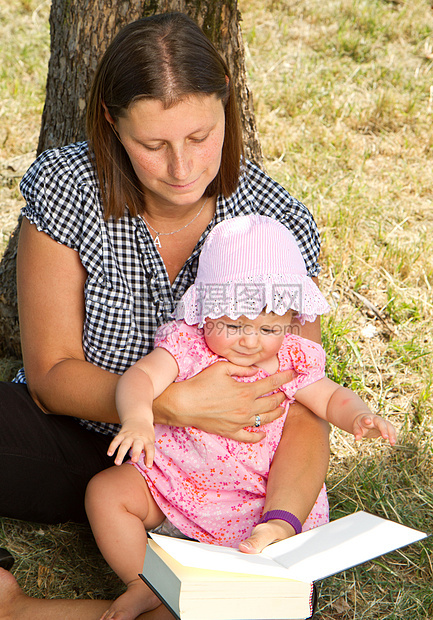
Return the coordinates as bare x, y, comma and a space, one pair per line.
371, 425
140, 436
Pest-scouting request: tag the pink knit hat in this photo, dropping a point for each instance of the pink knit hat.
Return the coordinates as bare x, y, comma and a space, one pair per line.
249, 264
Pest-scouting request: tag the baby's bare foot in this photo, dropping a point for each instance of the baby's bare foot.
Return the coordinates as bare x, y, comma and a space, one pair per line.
137, 599
265, 534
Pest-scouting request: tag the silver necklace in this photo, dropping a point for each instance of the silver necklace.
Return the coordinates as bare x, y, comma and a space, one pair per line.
157, 240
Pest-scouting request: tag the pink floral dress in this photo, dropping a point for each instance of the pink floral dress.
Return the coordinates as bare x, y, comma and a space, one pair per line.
212, 488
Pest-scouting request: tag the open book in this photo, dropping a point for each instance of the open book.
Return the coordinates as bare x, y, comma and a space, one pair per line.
197, 581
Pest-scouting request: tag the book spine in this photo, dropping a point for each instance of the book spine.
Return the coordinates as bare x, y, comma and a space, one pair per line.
313, 599
161, 598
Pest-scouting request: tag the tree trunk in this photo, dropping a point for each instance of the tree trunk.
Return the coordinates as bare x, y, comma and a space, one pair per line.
80, 33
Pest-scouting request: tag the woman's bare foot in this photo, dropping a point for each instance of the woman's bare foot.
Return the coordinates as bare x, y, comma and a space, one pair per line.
12, 598
137, 599
15, 605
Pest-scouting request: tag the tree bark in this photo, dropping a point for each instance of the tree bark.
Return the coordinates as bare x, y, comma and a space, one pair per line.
80, 33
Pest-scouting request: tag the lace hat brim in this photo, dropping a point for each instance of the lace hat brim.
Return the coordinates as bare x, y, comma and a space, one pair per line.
252, 296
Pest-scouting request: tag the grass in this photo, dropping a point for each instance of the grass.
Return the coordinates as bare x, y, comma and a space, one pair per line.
24, 53
344, 102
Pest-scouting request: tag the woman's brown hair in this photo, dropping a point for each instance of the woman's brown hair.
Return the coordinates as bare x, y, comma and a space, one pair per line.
165, 57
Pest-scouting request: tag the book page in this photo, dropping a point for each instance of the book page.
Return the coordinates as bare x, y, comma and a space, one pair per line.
309, 556
216, 558
339, 545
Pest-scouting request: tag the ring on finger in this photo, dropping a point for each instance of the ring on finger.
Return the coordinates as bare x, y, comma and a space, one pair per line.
257, 421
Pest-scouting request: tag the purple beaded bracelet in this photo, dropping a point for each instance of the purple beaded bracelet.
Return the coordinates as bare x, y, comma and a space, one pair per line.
284, 516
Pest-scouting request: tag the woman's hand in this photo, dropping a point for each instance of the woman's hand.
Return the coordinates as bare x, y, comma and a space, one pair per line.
215, 402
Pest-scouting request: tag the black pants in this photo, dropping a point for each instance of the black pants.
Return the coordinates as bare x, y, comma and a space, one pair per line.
46, 461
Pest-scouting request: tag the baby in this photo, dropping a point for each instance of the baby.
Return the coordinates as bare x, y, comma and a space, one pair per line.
251, 282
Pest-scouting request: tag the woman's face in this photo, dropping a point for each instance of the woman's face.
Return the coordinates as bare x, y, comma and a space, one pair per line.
175, 152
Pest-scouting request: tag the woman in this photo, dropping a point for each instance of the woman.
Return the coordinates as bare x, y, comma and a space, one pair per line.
110, 240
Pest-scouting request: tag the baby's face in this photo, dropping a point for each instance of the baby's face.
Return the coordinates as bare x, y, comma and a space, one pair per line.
247, 342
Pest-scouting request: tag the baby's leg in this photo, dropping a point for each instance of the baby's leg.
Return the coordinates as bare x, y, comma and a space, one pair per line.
120, 507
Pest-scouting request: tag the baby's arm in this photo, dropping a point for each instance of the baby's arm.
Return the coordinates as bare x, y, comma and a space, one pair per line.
136, 389
343, 408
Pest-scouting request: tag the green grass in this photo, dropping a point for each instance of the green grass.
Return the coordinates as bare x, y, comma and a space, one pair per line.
344, 102
342, 91
24, 34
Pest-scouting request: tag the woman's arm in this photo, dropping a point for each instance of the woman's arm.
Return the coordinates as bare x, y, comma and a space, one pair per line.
51, 311
296, 476
310, 331
299, 465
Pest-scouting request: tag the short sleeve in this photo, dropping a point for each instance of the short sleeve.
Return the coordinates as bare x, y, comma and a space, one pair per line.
59, 188
169, 336
187, 345
304, 356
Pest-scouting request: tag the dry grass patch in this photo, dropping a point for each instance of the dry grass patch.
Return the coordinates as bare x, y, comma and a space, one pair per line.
24, 52
24, 55
344, 104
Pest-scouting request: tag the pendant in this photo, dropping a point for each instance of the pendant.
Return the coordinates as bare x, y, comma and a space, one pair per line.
157, 241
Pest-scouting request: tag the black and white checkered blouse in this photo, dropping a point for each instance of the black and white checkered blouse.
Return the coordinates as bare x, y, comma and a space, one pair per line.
127, 292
